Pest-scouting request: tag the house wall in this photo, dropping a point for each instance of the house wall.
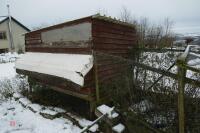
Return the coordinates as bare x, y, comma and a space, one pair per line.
18, 36
4, 44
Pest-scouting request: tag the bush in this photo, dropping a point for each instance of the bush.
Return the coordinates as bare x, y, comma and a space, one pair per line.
9, 86
20, 49
6, 90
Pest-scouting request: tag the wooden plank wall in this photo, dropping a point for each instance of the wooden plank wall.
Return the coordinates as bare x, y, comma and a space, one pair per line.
34, 44
60, 84
109, 70
107, 38
112, 38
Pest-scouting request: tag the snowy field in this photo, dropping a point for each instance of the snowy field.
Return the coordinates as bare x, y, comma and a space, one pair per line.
19, 115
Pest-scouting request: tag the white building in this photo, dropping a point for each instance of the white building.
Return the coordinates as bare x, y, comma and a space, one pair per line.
18, 31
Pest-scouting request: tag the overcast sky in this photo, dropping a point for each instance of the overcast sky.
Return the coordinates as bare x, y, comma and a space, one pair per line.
35, 12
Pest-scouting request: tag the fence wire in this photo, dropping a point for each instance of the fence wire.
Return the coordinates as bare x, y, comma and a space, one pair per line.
150, 108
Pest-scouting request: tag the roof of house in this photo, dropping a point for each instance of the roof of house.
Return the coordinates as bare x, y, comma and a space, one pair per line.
72, 67
87, 19
12, 18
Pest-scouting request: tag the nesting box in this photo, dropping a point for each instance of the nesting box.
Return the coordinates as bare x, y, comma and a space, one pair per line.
72, 57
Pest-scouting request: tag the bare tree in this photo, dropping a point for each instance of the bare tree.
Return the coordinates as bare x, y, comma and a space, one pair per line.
102, 12
142, 28
167, 25
169, 36
126, 16
155, 35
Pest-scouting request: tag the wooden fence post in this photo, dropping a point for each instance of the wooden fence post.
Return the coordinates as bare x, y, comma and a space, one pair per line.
181, 88
181, 63
96, 77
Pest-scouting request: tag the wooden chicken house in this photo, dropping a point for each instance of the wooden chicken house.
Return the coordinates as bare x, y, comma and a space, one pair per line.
69, 57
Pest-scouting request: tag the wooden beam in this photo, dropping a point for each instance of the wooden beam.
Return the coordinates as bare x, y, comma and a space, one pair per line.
181, 90
58, 84
96, 77
158, 50
192, 68
165, 73
161, 50
181, 63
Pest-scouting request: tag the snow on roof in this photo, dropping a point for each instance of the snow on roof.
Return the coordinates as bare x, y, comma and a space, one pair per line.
69, 66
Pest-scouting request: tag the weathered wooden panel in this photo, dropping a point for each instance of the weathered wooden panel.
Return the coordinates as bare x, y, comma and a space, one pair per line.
111, 41
112, 38
59, 84
69, 44
62, 38
33, 41
115, 26
97, 29
59, 50
109, 70
79, 32
105, 46
89, 80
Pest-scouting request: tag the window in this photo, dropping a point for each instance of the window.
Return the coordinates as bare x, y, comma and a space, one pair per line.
3, 35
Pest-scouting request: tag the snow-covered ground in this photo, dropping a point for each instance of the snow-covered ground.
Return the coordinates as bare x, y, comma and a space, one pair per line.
7, 70
14, 118
19, 115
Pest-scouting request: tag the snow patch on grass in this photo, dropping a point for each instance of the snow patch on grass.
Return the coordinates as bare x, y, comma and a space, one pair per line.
24, 101
15, 118
49, 112
8, 57
7, 71
107, 110
119, 128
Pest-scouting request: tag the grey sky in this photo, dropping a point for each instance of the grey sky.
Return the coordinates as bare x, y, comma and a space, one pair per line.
36, 12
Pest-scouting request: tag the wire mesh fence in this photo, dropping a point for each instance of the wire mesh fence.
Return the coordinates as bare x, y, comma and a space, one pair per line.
147, 107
